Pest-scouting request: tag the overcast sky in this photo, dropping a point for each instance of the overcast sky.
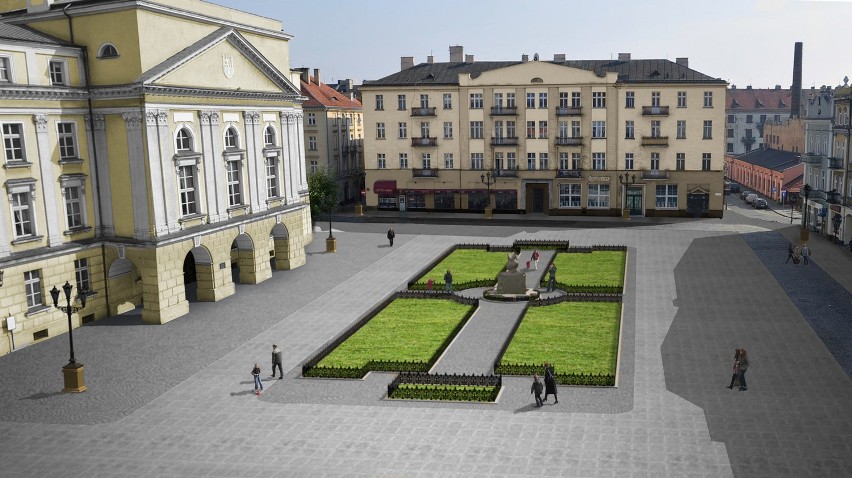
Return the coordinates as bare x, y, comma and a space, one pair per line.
746, 42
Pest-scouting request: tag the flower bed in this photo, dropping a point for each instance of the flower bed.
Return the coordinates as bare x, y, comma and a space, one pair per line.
463, 393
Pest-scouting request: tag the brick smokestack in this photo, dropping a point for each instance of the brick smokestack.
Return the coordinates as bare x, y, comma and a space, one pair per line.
797, 81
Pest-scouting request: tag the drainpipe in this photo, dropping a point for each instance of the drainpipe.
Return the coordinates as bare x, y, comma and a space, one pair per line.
94, 148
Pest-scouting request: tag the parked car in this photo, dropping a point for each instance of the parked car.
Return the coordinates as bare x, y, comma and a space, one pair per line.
744, 194
751, 198
735, 188
760, 203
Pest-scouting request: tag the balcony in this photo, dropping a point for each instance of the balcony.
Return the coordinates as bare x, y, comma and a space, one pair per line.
424, 172
811, 158
569, 173
655, 111
563, 141
655, 141
504, 111
569, 111
835, 163
504, 141
504, 173
423, 111
652, 174
831, 197
424, 142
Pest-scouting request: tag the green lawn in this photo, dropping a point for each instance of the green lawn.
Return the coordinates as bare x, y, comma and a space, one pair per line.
407, 329
599, 268
576, 337
467, 265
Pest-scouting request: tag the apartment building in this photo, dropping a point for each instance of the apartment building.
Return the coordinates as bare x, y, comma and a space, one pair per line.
153, 154
747, 112
561, 137
334, 134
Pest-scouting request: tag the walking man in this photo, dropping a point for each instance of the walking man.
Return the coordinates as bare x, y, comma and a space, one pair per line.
276, 362
391, 235
536, 389
551, 281
790, 250
535, 256
806, 254
448, 281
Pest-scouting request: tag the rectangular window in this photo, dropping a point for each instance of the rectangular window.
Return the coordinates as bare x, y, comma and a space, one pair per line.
74, 206
564, 131
13, 142
312, 119
730, 148
426, 160
681, 99
630, 99
542, 129
530, 129
403, 160
67, 140
498, 161
575, 99
448, 101
542, 100
57, 72
312, 142
598, 99
598, 195
401, 103
403, 130
569, 195
681, 129
448, 160
380, 131
380, 102
655, 99
22, 214
705, 162
424, 130
81, 274
598, 129
271, 177
543, 161
477, 161
730, 119
448, 130
5, 71
667, 196
575, 129
314, 166
564, 162
762, 119
498, 129
510, 100
655, 128
424, 101
708, 129
511, 131
708, 99
476, 101
511, 161
628, 161
655, 161
628, 130
476, 129
381, 162
563, 100
576, 161
599, 161
680, 161
531, 161
498, 100
32, 286
749, 118
777, 118
235, 193
530, 100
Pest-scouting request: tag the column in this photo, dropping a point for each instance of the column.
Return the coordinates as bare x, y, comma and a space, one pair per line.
102, 191
289, 183
155, 168
206, 146
168, 173
48, 184
300, 150
138, 178
257, 173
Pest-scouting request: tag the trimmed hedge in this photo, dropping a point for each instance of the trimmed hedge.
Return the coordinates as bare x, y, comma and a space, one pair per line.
439, 286
597, 380
585, 289
462, 393
372, 365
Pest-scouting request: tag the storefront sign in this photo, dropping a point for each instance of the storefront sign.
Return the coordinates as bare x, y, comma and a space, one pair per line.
599, 179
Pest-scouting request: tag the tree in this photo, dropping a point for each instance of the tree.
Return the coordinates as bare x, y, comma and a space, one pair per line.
322, 191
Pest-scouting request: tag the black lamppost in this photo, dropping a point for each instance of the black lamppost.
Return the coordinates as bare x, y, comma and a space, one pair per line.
804, 234
488, 179
626, 179
73, 371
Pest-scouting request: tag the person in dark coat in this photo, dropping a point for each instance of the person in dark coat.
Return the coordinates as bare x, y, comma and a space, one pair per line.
790, 249
276, 361
735, 371
536, 389
549, 382
743, 368
551, 281
448, 281
391, 235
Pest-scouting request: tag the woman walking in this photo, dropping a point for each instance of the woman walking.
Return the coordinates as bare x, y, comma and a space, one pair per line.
258, 384
736, 369
743, 368
549, 382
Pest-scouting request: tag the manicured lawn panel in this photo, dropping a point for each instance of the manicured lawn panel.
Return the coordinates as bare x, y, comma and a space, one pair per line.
467, 265
598, 268
405, 330
576, 337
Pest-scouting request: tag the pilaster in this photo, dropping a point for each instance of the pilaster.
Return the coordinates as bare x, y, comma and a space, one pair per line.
155, 168
48, 183
138, 178
102, 192
300, 160
254, 155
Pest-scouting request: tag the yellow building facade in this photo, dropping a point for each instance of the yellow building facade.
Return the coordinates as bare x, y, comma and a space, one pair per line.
556, 137
153, 155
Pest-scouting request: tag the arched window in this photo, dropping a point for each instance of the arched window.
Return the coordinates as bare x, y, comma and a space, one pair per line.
183, 140
232, 140
269, 136
108, 50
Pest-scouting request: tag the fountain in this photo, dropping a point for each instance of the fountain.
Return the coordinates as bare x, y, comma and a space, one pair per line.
511, 284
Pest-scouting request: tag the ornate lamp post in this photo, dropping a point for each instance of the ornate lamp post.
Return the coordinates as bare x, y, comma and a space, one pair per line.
804, 234
488, 179
626, 179
72, 371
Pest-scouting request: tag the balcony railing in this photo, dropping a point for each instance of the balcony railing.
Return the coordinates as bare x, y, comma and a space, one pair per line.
830, 197
655, 111
424, 141
835, 163
564, 141
423, 111
655, 174
505, 173
569, 111
424, 172
811, 158
504, 110
569, 173
655, 140
504, 141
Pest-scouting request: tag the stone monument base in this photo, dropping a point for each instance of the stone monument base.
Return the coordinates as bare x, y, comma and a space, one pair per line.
511, 286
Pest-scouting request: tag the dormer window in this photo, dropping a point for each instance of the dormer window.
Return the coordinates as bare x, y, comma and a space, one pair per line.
108, 50
183, 141
232, 139
269, 136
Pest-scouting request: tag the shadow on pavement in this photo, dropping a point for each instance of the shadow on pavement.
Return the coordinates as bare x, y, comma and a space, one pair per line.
41, 395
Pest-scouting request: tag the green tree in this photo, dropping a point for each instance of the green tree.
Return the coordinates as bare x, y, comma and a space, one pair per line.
322, 191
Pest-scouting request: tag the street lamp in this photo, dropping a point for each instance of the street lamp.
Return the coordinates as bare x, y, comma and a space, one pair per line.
804, 233
626, 179
488, 179
73, 371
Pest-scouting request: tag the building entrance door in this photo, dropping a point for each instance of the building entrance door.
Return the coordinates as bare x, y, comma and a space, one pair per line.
538, 200
697, 203
634, 201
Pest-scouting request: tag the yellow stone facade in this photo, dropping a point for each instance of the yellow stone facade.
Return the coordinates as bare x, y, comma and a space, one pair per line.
151, 177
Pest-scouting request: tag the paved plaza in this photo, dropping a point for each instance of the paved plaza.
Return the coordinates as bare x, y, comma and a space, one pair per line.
177, 399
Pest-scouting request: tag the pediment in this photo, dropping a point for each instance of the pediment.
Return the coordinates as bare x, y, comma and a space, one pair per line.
538, 72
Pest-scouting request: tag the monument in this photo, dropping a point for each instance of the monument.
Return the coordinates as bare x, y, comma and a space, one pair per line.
511, 283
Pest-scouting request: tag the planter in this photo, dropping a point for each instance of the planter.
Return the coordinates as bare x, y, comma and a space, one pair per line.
330, 244
488, 213
359, 210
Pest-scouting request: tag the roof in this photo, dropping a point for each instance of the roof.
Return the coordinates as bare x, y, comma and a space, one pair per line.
629, 71
759, 99
324, 96
769, 158
794, 185
26, 34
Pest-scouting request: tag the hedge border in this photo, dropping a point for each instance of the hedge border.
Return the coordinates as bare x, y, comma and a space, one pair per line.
427, 379
586, 379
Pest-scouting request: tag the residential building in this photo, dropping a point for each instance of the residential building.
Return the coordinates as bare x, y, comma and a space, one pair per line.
772, 173
747, 111
144, 176
555, 137
334, 135
786, 135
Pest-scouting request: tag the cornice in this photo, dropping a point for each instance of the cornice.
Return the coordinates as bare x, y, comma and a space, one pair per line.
138, 90
24, 92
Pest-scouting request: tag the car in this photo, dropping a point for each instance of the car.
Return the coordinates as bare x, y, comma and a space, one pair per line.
744, 194
751, 198
735, 188
760, 203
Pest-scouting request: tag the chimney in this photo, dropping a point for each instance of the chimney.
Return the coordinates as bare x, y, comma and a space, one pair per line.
559, 57
683, 61
406, 62
748, 87
304, 74
777, 87
430, 59
525, 58
468, 58
624, 57
317, 76
733, 87
795, 104
35, 6
456, 54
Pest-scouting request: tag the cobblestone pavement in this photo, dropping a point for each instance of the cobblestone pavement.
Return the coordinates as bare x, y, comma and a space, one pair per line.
176, 400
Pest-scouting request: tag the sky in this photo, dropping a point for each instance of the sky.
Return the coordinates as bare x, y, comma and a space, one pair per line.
745, 42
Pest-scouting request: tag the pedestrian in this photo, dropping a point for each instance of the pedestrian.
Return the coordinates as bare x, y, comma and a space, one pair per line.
735, 371
448, 281
276, 362
429, 284
550, 382
743, 367
258, 384
551, 281
535, 256
797, 256
806, 254
790, 249
391, 235
536, 389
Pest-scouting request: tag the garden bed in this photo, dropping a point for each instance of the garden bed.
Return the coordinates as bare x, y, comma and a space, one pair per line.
592, 272
470, 268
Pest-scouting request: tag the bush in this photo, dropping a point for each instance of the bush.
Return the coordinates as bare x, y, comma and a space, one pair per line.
463, 393
590, 379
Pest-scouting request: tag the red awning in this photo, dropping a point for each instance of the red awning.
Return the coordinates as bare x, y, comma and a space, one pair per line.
384, 187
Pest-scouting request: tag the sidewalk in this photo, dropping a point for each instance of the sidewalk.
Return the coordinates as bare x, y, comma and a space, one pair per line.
834, 259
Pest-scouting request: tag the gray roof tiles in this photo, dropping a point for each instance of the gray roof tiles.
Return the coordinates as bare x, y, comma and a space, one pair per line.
19, 33
776, 159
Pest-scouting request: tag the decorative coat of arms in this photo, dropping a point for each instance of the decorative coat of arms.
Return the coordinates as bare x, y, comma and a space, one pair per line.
228, 65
